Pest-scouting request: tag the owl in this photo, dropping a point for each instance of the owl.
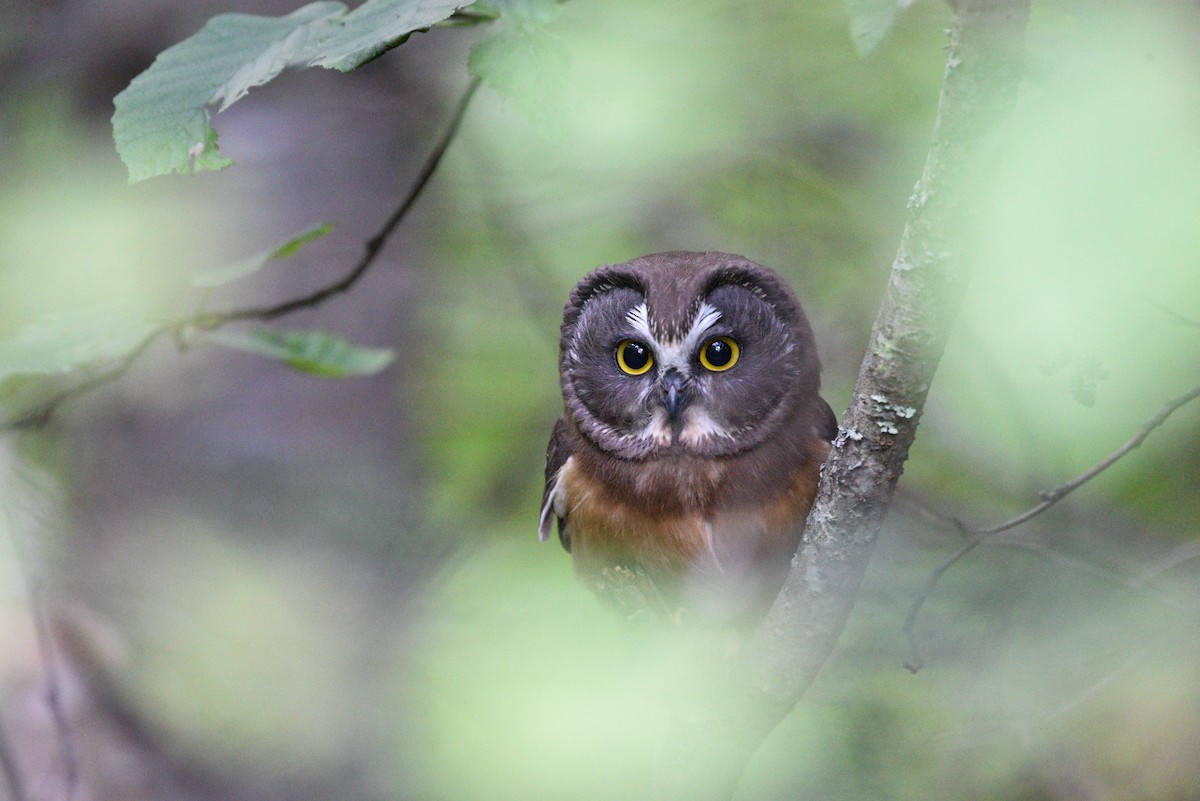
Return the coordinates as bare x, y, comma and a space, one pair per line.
692, 435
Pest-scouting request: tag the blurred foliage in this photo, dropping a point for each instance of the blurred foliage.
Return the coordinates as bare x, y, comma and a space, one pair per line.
243, 268
71, 241
1061, 658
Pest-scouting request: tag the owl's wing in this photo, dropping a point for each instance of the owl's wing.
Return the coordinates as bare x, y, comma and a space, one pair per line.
827, 422
557, 453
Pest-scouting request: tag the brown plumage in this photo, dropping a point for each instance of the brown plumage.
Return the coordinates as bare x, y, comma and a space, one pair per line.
688, 459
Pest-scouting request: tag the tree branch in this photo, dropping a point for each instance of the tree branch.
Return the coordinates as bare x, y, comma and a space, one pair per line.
208, 321
1179, 555
44, 411
374, 245
41, 414
1175, 316
983, 68
1049, 498
1053, 496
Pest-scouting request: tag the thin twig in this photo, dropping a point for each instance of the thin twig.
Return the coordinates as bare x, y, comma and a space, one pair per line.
40, 415
915, 662
966, 739
1178, 556
1175, 316
1053, 496
1049, 498
26, 504
930, 513
374, 245
10, 769
1098, 571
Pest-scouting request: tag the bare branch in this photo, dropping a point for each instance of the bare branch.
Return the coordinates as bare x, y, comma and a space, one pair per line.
968, 738
915, 662
41, 414
27, 495
984, 64
1049, 498
1178, 318
1098, 571
1179, 555
374, 245
931, 514
1053, 496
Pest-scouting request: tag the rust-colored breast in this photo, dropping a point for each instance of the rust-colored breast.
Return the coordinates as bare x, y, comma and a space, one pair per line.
709, 541
605, 530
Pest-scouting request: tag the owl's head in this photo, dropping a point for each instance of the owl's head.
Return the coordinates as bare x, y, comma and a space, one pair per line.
685, 353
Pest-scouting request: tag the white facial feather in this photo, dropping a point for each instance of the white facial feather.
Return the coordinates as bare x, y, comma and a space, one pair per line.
676, 353
706, 318
639, 319
700, 426
672, 352
556, 502
658, 429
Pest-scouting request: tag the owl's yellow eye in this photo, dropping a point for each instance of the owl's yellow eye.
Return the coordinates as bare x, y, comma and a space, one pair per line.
633, 357
719, 353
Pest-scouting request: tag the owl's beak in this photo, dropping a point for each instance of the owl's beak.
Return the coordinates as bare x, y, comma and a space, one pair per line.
674, 396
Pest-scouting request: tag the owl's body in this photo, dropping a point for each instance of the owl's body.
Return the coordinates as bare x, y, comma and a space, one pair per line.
692, 434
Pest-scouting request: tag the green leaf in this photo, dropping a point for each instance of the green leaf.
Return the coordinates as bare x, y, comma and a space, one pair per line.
313, 352
62, 342
161, 120
375, 27
522, 60
219, 276
295, 244
871, 21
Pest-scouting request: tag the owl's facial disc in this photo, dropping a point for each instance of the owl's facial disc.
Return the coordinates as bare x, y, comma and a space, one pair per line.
678, 411
680, 355
649, 375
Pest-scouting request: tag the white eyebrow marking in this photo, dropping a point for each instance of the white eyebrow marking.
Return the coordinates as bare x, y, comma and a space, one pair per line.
679, 353
639, 318
674, 353
706, 318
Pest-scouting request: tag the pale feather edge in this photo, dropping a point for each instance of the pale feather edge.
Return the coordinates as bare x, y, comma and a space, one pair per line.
554, 505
